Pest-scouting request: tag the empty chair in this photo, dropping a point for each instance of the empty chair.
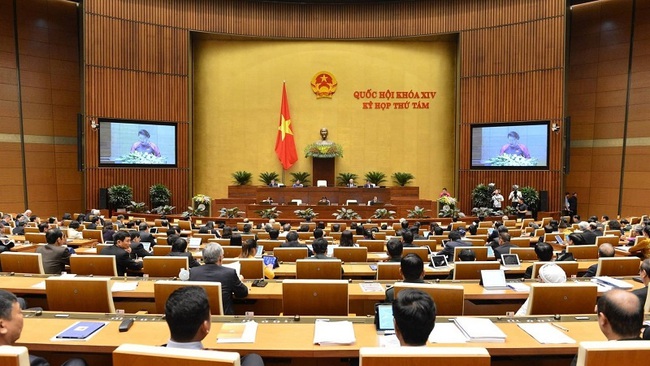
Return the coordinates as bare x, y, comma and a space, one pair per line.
613, 240
93, 234
21, 262
472, 270
423, 356
449, 299
315, 297
81, 294
160, 240
388, 271
481, 253
613, 353
251, 268
96, 265
162, 290
562, 298
583, 251
138, 355
231, 251
422, 252
520, 242
156, 266
204, 237
162, 250
570, 268
290, 254
318, 269
525, 254
373, 245
269, 245
621, 266
14, 356
351, 254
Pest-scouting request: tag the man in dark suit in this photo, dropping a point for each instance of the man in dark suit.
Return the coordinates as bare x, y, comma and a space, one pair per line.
214, 271
11, 326
320, 249
137, 249
187, 313
407, 239
604, 251
179, 249
292, 241
412, 271
122, 250
145, 235
414, 315
644, 273
454, 241
55, 256
394, 249
504, 246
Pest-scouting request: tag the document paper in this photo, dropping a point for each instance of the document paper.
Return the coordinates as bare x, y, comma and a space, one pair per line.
480, 329
237, 333
546, 333
333, 333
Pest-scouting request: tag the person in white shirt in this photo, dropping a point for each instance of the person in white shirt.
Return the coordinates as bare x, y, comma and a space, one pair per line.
514, 196
497, 198
73, 233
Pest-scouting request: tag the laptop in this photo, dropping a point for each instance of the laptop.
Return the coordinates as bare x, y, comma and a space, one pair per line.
510, 260
194, 243
439, 261
153, 230
493, 279
260, 251
384, 318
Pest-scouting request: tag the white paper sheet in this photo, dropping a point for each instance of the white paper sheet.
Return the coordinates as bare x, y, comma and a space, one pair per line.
546, 333
447, 333
332, 333
119, 286
250, 331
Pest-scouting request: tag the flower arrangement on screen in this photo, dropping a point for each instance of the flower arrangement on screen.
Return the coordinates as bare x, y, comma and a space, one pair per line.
317, 150
511, 160
138, 157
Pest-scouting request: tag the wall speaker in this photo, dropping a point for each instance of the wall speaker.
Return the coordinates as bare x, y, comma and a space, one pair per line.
103, 198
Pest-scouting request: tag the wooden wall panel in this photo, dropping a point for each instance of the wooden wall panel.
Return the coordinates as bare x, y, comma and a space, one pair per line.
511, 68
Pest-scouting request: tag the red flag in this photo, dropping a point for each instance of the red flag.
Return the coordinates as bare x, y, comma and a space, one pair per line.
285, 145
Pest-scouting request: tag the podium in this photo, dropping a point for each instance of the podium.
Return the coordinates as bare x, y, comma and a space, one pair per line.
324, 169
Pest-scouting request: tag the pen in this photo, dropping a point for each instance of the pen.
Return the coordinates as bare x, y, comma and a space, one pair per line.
559, 327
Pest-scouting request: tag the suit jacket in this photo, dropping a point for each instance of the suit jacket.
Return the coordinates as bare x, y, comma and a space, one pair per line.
108, 235
503, 249
449, 249
296, 244
54, 257
230, 283
122, 259
137, 249
591, 271
147, 237
190, 259
642, 294
589, 236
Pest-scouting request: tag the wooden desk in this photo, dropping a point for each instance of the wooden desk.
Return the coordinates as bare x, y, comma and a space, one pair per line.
280, 337
311, 195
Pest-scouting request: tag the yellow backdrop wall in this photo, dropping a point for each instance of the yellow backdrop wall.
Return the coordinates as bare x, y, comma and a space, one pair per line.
237, 94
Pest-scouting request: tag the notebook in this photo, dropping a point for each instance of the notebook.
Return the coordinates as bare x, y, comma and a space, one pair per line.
80, 330
195, 242
493, 279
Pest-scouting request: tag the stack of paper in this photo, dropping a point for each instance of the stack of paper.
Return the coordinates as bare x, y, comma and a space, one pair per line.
480, 329
519, 287
546, 333
446, 333
237, 333
119, 286
234, 265
612, 282
333, 333
371, 287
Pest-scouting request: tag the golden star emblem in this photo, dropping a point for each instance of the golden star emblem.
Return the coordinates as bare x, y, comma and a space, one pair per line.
285, 127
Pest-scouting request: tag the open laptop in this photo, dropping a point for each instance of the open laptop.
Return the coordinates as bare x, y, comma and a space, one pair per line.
493, 279
439, 261
510, 260
195, 243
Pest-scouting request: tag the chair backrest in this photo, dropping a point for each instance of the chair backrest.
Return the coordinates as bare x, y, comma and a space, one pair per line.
485, 224
472, 270
35, 238
184, 224
521, 242
221, 241
379, 235
514, 233
569, 267
162, 290
388, 271
204, 237
93, 234
583, 251
432, 244
538, 232
449, 299
251, 268
618, 266
83, 294
305, 235
165, 266
475, 242
263, 235
14, 356
550, 237
99, 247
376, 246
613, 353
613, 240
32, 229
138, 355
351, 254
562, 298
318, 269
421, 252
481, 253
161, 250
290, 254
525, 254
423, 356
231, 251
315, 297
22, 262
96, 265
161, 240
269, 245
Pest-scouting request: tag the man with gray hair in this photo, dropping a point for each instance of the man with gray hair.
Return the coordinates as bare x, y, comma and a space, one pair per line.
213, 271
